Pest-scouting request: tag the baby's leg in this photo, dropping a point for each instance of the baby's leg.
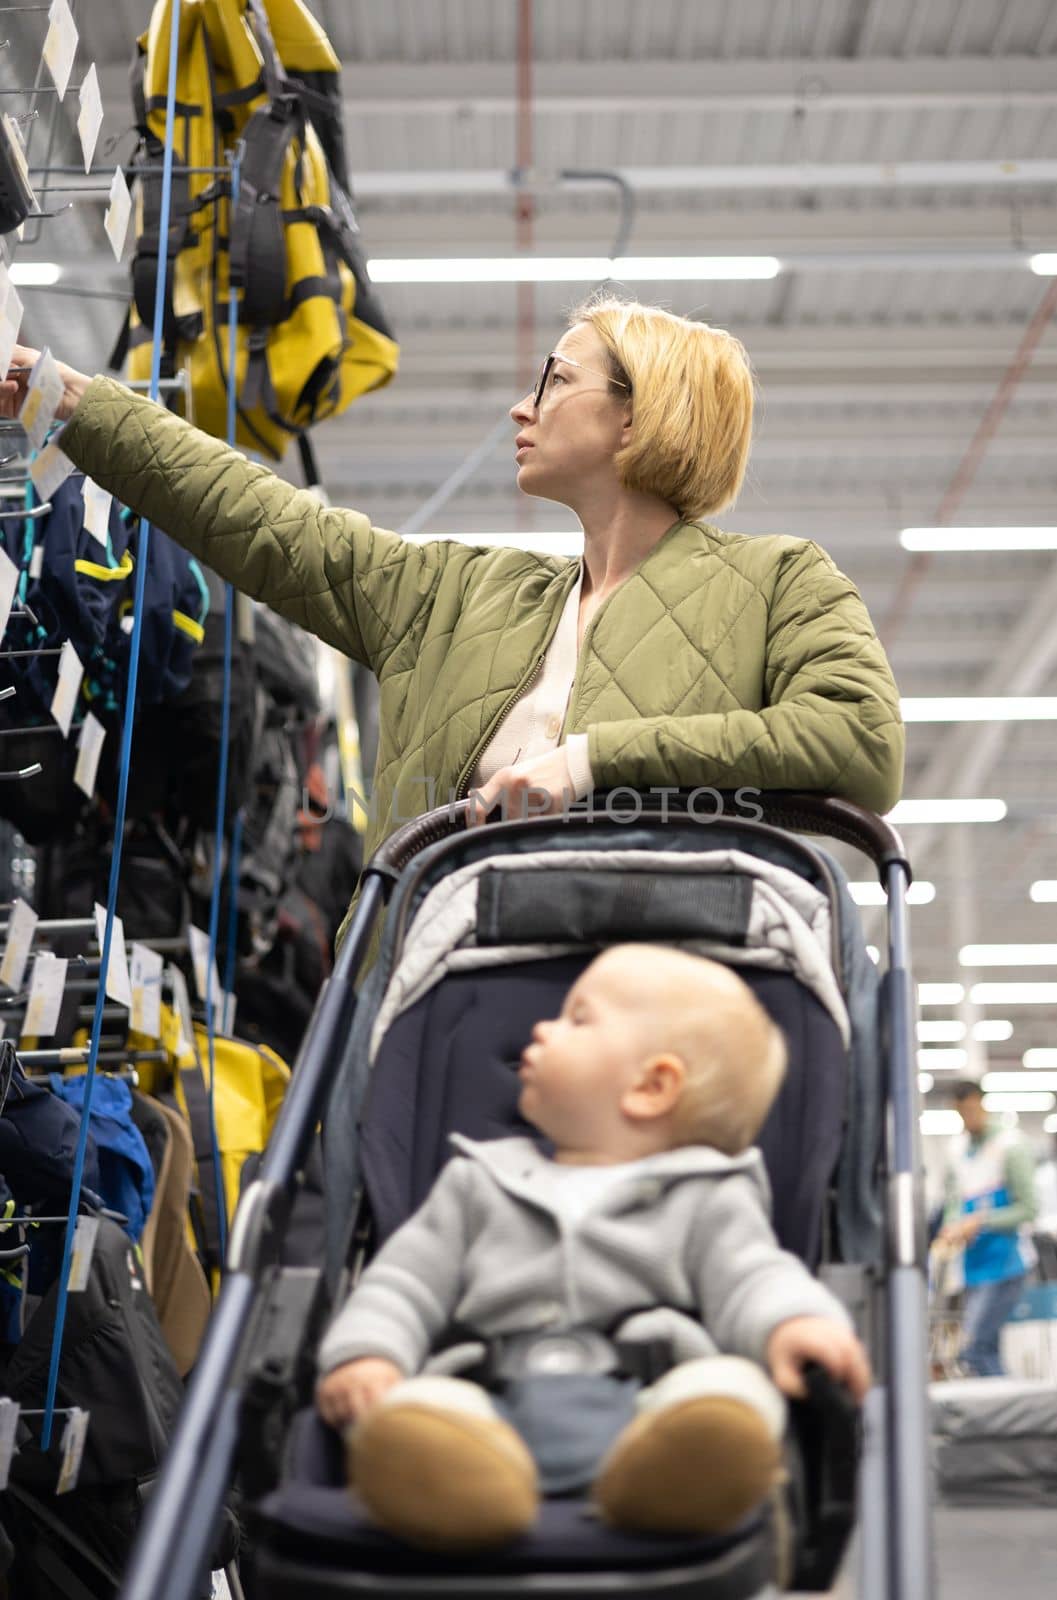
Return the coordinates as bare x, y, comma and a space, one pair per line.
705, 1448
434, 1464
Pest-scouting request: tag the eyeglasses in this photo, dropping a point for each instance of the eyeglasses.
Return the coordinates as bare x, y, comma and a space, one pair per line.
543, 376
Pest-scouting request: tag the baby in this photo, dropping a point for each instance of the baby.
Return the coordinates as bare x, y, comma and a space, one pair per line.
648, 1222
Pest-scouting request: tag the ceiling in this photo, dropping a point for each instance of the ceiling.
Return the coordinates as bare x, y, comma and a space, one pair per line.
899, 155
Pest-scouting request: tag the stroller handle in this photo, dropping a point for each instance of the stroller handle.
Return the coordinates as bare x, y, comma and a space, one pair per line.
790, 810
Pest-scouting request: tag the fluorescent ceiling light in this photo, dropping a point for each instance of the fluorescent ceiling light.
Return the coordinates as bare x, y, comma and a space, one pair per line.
979, 539
1034, 1059
1044, 891
34, 274
952, 810
1019, 1102
940, 994
1034, 1081
925, 1082
940, 1032
1044, 264
1013, 994
570, 269
872, 894
1007, 955
993, 1032
940, 1122
552, 544
981, 708
942, 1060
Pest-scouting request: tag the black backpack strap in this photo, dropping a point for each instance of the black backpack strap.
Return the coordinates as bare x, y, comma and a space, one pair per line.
196, 1096
275, 80
257, 233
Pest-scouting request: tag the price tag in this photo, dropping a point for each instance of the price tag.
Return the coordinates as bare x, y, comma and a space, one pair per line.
199, 942
49, 470
85, 1234
146, 973
73, 1437
97, 503
10, 326
182, 1007
9, 1410
89, 749
118, 986
46, 988
228, 1024
8, 585
66, 690
220, 1589
90, 118
60, 45
118, 214
21, 926
43, 395
36, 561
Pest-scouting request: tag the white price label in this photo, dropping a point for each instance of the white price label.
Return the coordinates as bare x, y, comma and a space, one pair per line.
5, 283
203, 969
44, 393
46, 988
85, 1233
60, 45
8, 585
219, 1589
146, 972
97, 503
21, 926
9, 1410
90, 117
71, 672
89, 749
228, 1024
182, 1007
118, 214
118, 986
10, 327
49, 470
74, 1435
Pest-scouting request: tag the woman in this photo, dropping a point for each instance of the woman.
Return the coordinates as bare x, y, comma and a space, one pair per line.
673, 655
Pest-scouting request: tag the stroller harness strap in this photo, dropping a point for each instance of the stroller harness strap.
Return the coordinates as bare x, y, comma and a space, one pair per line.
582, 1351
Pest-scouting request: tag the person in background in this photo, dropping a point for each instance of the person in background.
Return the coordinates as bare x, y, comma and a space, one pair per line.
990, 1200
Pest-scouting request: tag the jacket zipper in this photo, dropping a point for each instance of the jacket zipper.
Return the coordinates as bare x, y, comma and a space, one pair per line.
463, 787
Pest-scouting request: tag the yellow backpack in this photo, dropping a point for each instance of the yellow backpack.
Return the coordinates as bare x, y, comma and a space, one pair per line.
312, 336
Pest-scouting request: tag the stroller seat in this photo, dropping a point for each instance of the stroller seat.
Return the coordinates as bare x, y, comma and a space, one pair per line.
310, 1522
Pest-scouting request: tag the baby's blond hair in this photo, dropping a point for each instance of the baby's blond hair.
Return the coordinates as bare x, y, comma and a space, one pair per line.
734, 1055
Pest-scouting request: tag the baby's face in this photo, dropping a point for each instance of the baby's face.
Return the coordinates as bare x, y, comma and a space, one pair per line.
576, 1068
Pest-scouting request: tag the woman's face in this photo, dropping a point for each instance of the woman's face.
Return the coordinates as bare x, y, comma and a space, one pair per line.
566, 445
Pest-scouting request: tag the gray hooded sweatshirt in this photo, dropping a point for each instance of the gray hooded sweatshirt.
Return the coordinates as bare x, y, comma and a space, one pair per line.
681, 1246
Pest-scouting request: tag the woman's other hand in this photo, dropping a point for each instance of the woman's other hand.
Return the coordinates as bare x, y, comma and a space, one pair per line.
13, 385
538, 787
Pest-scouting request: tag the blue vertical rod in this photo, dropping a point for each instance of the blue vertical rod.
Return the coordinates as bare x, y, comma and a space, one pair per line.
126, 753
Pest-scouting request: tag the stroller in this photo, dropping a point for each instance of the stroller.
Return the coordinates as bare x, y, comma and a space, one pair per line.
486, 931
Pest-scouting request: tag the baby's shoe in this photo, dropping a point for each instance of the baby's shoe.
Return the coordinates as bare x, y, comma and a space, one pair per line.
434, 1464
703, 1451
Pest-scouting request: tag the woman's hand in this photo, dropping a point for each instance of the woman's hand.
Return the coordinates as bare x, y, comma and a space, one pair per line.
13, 385
348, 1392
799, 1340
538, 787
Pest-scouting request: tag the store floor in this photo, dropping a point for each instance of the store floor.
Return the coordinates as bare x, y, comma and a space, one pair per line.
983, 1553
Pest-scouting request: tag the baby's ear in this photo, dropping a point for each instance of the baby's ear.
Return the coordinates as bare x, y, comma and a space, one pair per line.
657, 1087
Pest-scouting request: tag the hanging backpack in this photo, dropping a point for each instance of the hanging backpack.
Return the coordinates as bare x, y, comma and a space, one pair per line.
312, 336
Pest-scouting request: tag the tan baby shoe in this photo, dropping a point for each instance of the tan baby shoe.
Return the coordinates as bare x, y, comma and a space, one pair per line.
435, 1465
703, 1451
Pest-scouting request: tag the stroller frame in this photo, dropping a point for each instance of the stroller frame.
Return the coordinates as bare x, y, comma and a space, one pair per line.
171, 1552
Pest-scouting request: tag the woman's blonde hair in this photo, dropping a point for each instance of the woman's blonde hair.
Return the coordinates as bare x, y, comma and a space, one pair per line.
692, 395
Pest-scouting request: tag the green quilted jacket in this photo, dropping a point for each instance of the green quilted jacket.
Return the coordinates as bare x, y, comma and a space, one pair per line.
724, 660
